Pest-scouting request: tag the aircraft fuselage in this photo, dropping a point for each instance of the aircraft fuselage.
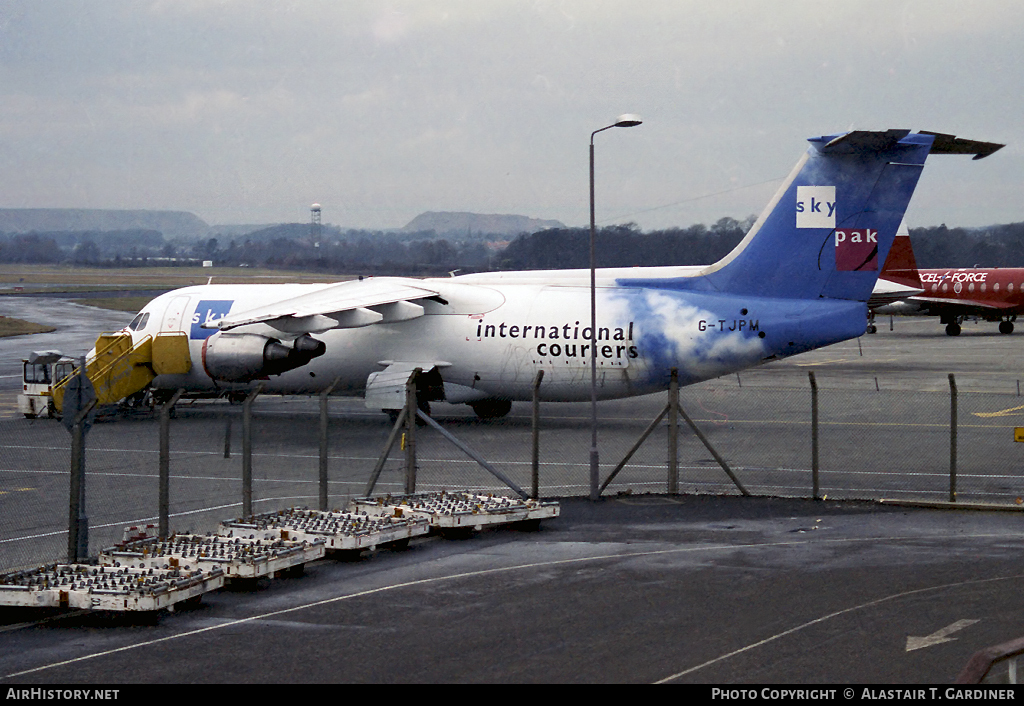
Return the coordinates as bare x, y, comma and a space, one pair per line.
998, 287
800, 279
489, 340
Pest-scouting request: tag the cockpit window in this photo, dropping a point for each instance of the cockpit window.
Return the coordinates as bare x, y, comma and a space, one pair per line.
139, 322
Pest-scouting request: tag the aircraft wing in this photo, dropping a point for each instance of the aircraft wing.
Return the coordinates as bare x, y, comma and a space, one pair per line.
344, 305
963, 304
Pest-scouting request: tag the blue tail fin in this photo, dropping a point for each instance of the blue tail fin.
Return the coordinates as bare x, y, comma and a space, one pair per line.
828, 230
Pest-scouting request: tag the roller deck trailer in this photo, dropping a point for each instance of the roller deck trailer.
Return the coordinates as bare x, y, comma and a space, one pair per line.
92, 587
460, 510
237, 557
340, 531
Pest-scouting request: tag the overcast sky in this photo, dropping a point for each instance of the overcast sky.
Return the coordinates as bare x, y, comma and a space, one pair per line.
248, 111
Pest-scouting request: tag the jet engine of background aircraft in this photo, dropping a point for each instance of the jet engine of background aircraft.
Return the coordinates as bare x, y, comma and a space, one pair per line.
242, 357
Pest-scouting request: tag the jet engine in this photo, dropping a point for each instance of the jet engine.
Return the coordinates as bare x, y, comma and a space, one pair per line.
241, 357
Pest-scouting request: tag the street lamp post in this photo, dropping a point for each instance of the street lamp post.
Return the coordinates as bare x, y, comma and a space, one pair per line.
627, 120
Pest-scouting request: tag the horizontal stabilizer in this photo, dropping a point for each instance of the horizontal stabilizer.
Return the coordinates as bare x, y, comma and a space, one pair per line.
887, 292
864, 142
951, 144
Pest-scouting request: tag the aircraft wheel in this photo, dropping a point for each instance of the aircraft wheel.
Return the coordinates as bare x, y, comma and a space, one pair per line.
491, 409
1005, 327
872, 328
952, 329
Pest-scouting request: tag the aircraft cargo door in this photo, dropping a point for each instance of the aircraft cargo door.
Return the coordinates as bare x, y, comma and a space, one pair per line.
174, 314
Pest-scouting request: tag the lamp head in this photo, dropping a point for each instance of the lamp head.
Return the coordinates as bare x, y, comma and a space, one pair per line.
628, 120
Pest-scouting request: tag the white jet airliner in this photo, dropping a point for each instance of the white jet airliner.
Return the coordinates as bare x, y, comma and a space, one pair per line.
799, 280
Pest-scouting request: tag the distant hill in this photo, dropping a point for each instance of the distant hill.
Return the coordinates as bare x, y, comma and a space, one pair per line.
465, 223
172, 224
237, 230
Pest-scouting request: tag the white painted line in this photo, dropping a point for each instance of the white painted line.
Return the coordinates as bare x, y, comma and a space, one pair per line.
534, 565
824, 618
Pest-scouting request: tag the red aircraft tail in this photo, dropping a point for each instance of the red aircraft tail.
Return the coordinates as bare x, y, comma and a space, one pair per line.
901, 266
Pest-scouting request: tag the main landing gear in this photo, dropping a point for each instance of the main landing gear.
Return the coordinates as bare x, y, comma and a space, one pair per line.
491, 409
953, 325
871, 323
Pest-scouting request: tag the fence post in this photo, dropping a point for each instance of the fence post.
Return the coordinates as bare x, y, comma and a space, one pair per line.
247, 451
814, 437
472, 454
535, 459
410, 432
629, 454
952, 438
165, 463
717, 456
78, 523
673, 433
323, 444
382, 459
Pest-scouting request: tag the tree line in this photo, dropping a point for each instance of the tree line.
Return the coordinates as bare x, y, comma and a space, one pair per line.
353, 251
992, 246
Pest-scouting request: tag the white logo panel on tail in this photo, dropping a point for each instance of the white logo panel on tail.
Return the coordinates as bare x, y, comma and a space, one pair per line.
815, 207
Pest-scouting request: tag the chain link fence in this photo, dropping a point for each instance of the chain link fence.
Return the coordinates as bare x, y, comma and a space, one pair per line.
873, 442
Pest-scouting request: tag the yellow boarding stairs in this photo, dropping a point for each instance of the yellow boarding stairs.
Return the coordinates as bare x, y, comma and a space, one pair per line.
119, 369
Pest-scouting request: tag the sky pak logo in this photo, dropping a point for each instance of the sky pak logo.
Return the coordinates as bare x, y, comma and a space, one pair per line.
207, 312
815, 207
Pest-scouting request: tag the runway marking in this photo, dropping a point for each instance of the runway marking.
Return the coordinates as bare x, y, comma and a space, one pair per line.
1002, 413
822, 619
543, 564
16, 490
143, 520
822, 362
939, 636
